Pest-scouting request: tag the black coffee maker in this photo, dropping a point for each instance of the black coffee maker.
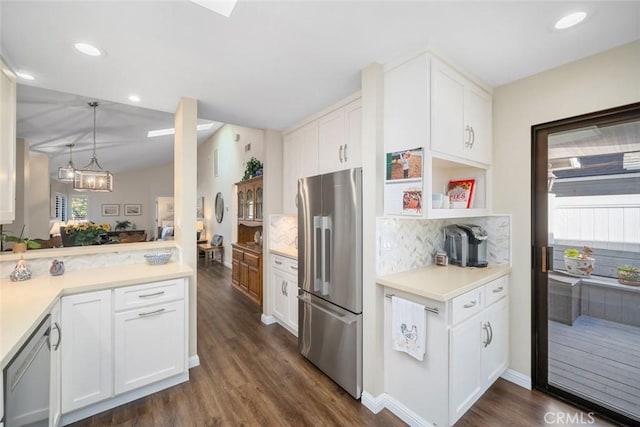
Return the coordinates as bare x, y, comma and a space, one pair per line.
466, 245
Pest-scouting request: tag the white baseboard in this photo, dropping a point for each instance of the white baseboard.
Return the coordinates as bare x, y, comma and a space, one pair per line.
194, 361
374, 404
377, 404
267, 320
517, 378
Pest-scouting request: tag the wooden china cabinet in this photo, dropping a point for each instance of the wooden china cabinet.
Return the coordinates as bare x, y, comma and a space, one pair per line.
247, 260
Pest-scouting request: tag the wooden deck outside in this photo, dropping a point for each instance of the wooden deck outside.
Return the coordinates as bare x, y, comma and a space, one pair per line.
599, 360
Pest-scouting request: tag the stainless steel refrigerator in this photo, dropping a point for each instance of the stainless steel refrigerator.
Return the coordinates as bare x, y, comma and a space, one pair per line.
330, 275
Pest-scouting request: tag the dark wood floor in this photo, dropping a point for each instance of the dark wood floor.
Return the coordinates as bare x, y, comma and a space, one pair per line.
251, 374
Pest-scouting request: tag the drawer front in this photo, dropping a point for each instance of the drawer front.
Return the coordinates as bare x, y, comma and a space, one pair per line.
279, 262
466, 305
497, 289
251, 259
292, 267
150, 293
237, 254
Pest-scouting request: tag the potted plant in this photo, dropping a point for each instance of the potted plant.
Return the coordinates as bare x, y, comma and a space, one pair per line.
579, 263
628, 275
253, 169
87, 233
123, 225
20, 243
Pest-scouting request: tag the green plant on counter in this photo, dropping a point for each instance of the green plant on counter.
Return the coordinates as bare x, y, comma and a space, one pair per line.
86, 234
123, 225
31, 244
253, 169
575, 253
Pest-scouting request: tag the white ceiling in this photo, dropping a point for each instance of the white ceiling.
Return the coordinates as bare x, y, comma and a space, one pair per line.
274, 62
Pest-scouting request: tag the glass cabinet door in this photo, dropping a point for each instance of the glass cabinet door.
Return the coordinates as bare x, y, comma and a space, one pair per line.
240, 204
259, 215
250, 206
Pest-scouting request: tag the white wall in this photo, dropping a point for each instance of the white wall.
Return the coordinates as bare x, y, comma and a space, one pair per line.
602, 81
232, 160
38, 211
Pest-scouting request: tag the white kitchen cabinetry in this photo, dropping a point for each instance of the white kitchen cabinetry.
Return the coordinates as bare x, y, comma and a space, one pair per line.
55, 337
461, 115
325, 142
284, 283
428, 105
87, 361
149, 334
339, 138
467, 350
300, 159
7, 144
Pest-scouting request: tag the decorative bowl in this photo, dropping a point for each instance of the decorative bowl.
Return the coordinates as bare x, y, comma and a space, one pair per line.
627, 276
158, 258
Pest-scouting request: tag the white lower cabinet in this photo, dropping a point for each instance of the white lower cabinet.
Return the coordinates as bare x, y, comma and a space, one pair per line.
87, 361
284, 283
55, 336
148, 345
467, 349
117, 341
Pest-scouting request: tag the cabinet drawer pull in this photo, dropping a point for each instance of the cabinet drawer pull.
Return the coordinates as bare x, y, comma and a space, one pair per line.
471, 304
151, 313
340, 153
293, 267
345, 153
155, 294
278, 262
496, 290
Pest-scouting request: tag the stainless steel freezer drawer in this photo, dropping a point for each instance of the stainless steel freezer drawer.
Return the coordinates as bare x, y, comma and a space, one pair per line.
331, 338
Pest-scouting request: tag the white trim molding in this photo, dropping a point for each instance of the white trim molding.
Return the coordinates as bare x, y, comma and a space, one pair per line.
517, 378
194, 361
267, 320
377, 404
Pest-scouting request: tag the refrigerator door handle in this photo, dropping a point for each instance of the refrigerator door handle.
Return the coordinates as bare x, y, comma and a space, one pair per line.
348, 320
326, 254
317, 264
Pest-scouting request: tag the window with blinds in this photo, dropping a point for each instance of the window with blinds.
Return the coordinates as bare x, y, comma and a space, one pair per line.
61, 207
79, 208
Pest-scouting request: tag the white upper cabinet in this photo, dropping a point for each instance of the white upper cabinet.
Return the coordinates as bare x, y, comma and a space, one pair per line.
7, 144
326, 142
300, 159
339, 138
461, 116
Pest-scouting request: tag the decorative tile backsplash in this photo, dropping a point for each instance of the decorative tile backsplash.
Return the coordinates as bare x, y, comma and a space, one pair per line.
283, 231
403, 244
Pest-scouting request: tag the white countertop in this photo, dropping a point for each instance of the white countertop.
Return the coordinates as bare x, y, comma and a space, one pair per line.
442, 283
23, 305
289, 252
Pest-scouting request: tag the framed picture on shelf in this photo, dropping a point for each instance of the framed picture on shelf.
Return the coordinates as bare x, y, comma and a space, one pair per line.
110, 210
132, 210
404, 165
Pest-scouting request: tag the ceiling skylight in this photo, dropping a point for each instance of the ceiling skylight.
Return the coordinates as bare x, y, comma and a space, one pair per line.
25, 76
171, 131
570, 20
88, 49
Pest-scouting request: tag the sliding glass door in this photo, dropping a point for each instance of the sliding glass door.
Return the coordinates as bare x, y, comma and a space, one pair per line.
586, 273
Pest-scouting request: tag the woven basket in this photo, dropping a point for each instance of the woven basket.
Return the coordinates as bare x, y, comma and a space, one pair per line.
158, 258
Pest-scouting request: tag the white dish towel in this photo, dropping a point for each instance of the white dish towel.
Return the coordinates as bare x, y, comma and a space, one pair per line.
409, 327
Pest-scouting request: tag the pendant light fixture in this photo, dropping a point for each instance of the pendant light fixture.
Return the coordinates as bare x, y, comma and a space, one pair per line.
92, 177
66, 173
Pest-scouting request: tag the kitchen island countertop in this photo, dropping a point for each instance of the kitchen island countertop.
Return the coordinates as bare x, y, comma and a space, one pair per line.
23, 305
442, 283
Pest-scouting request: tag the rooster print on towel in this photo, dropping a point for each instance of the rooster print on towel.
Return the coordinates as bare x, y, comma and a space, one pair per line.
407, 339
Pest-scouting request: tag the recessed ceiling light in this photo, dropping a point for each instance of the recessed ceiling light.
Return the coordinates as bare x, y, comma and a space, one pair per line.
25, 76
134, 98
223, 7
88, 49
171, 131
570, 20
